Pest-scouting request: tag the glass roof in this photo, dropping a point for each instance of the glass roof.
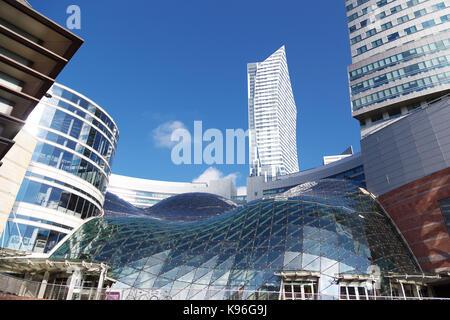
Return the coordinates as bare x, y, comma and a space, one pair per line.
330, 226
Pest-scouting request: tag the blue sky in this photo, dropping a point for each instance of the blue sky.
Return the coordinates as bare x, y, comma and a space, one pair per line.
150, 63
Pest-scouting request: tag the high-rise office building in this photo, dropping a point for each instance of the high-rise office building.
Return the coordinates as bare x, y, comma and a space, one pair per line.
399, 85
272, 117
400, 57
66, 180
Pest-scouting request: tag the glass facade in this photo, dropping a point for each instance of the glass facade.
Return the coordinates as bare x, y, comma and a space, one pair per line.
184, 207
68, 174
323, 229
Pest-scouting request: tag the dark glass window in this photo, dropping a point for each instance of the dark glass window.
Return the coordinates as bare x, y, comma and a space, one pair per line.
393, 36
396, 9
371, 32
410, 30
428, 23
445, 210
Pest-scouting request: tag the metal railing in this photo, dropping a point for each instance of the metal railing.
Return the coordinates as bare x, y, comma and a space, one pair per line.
33, 289
18, 287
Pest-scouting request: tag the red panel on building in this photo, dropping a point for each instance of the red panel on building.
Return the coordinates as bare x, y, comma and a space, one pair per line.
415, 210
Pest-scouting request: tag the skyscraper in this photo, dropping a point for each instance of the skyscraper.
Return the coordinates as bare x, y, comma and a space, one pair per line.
400, 55
399, 88
272, 117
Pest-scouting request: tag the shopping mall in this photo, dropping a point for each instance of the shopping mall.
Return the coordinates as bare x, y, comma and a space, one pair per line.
372, 225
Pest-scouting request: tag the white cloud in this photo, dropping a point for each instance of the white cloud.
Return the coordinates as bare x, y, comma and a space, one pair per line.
241, 191
161, 134
214, 174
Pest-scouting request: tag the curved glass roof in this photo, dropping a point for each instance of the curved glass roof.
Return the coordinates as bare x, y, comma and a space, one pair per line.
184, 207
190, 207
329, 227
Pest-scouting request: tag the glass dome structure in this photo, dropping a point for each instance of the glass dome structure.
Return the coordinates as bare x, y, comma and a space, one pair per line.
319, 231
184, 207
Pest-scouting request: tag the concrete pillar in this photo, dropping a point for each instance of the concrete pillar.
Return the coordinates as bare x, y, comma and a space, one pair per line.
23, 287
101, 280
404, 110
43, 286
73, 282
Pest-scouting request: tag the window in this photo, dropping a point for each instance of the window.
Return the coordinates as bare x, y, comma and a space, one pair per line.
394, 112
356, 39
386, 26
420, 13
353, 291
428, 24
381, 15
396, 9
412, 3
445, 18
381, 3
6, 106
377, 117
361, 50
377, 43
393, 36
410, 30
438, 6
444, 204
299, 290
353, 17
350, 7
363, 23
371, 32
403, 19
352, 29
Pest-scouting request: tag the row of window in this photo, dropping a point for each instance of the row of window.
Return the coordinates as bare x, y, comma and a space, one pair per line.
77, 147
396, 35
307, 290
71, 163
87, 116
380, 4
409, 71
398, 58
78, 129
40, 220
60, 92
51, 197
51, 180
400, 20
401, 90
17, 236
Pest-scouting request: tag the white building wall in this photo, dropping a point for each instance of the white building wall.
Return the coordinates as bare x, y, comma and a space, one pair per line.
15, 164
145, 192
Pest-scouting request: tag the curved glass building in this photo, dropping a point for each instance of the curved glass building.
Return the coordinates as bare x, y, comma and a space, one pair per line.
186, 207
329, 239
67, 178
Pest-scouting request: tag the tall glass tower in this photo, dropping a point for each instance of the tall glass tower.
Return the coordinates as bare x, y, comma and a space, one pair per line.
66, 180
400, 57
272, 117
